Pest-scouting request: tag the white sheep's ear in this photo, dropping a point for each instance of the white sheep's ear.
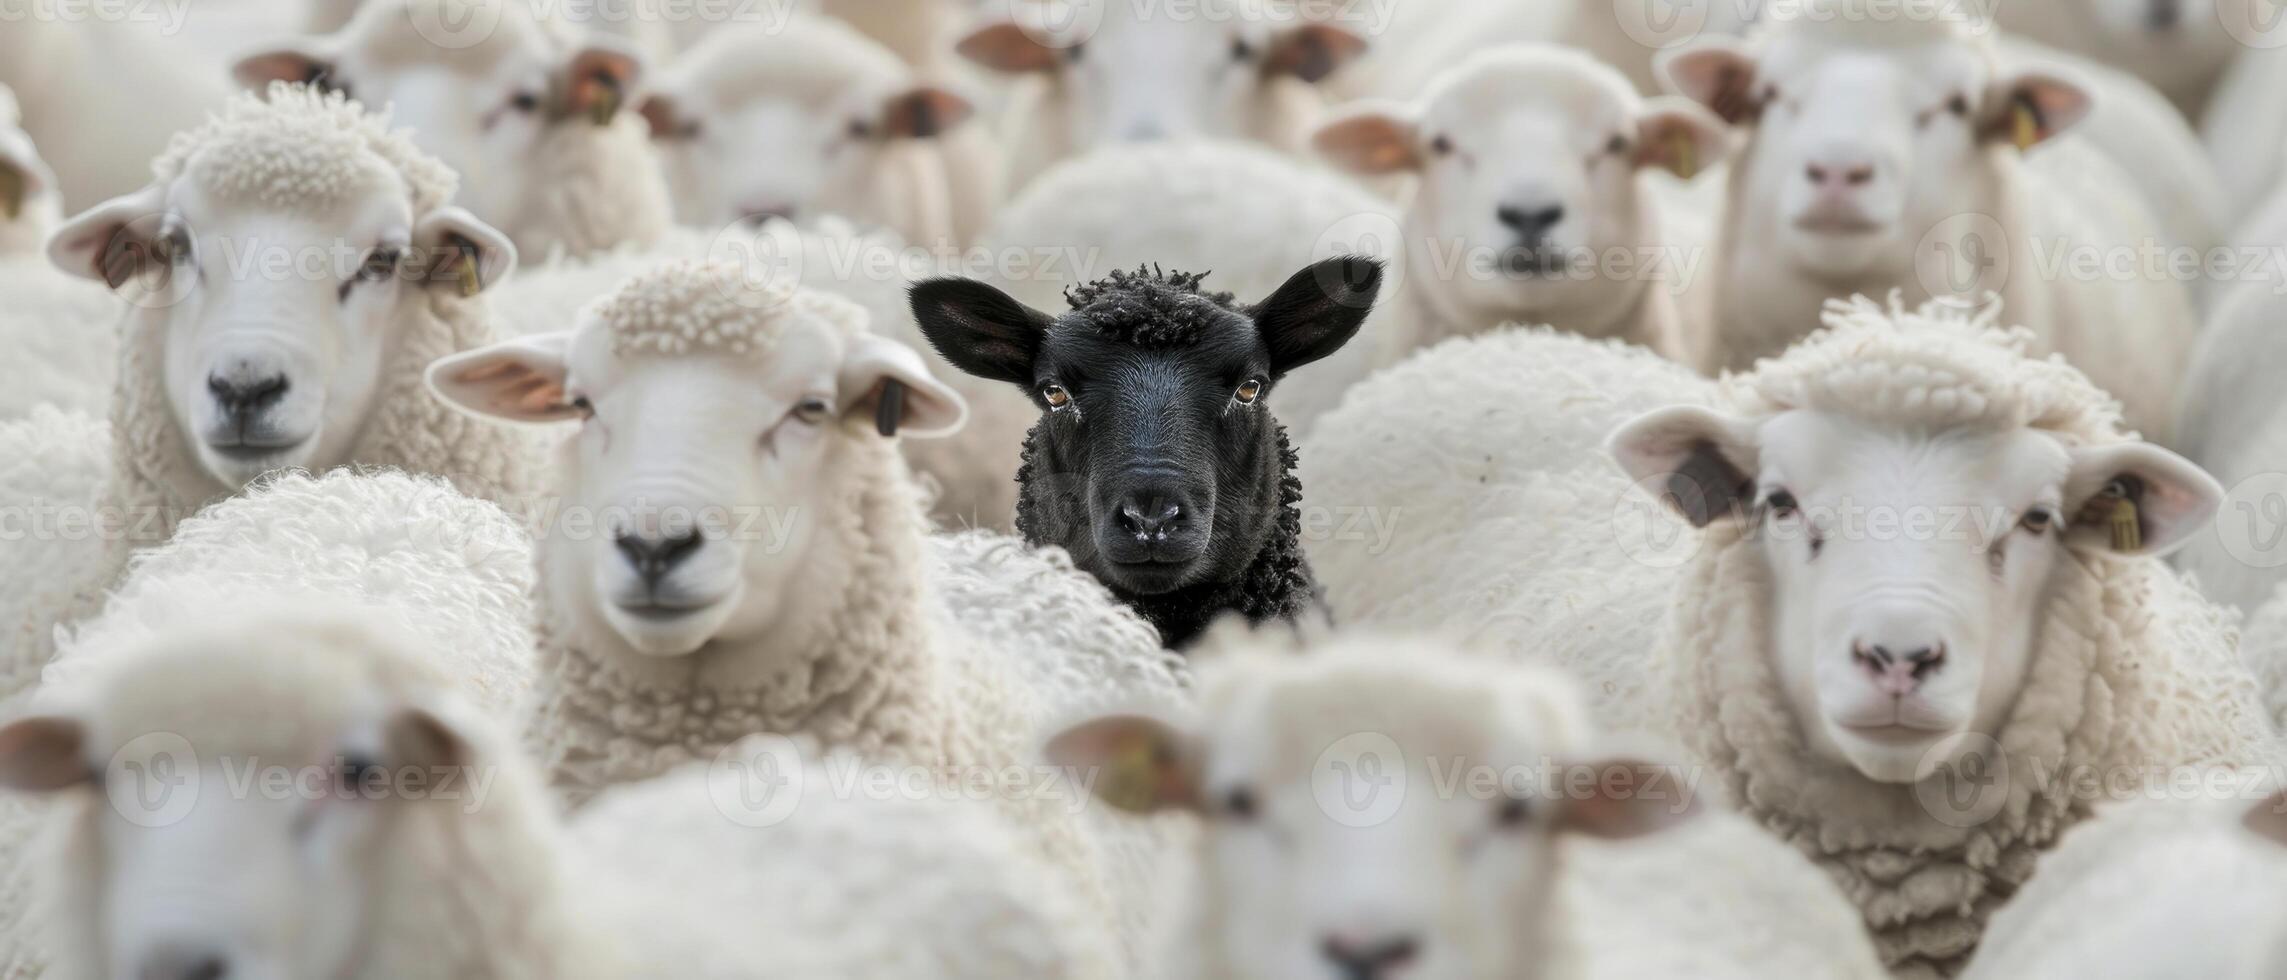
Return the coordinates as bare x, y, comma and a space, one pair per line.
1679, 136
1371, 137
2031, 107
2137, 499
1619, 799
598, 81
1135, 763
1700, 463
458, 251
307, 61
1716, 73
44, 753
923, 112
1006, 46
1311, 52
424, 738
115, 241
520, 380
888, 382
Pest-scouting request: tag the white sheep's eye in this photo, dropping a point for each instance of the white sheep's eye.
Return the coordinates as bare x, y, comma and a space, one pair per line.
175, 244
1782, 504
1441, 144
1241, 50
379, 265
1055, 396
1249, 390
2037, 521
812, 410
860, 129
1958, 105
524, 102
1512, 813
1617, 146
1239, 804
582, 405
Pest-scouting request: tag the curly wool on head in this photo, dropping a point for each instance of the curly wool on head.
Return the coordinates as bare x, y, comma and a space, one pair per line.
684, 307
299, 147
1149, 308
1877, 23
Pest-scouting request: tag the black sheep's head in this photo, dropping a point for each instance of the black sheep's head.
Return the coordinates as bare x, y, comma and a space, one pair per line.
1157, 461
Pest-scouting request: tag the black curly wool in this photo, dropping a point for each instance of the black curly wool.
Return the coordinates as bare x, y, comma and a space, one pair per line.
1148, 308
1276, 585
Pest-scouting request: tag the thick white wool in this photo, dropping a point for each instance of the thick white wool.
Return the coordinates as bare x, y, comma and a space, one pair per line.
2168, 887
2132, 668
2263, 648
681, 308
55, 480
62, 334
300, 147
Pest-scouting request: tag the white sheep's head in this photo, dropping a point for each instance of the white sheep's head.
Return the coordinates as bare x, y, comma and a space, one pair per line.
30, 205
283, 252
1135, 72
1373, 807
1528, 160
1915, 495
791, 123
1867, 131
718, 421
2166, 41
235, 799
495, 104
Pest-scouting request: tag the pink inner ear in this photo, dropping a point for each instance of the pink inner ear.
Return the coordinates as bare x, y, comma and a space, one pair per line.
1373, 144
1009, 48
1311, 52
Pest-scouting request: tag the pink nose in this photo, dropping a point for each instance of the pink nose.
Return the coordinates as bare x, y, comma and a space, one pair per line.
1898, 673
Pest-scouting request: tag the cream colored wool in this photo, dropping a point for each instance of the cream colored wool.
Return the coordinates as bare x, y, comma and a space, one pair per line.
943, 652
1666, 625
297, 147
656, 879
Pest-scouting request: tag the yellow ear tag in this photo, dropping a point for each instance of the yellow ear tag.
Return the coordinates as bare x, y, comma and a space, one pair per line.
2121, 517
11, 192
606, 105
472, 282
1132, 779
2025, 126
1685, 151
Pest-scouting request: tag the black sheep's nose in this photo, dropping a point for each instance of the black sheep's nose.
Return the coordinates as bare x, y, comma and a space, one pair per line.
1369, 961
653, 558
1531, 224
1150, 517
243, 396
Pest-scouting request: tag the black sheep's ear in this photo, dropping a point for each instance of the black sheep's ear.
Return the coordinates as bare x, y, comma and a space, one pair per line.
980, 329
1318, 310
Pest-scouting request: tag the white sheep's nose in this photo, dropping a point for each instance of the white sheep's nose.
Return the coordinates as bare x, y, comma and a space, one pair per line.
183, 961
1840, 174
1358, 957
1894, 645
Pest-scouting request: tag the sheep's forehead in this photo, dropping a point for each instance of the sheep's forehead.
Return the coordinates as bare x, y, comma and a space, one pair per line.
1874, 23
300, 149
1550, 82
813, 62
1833, 456
195, 697
454, 33
686, 309
1280, 727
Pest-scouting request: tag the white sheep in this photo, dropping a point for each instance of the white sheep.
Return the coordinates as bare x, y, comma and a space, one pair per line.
57, 328
101, 97
523, 104
1883, 152
1103, 73
1247, 214
685, 601
811, 117
382, 825
2174, 886
1423, 39
2234, 423
1921, 550
31, 202
2245, 129
2182, 47
1386, 806
290, 274
1534, 199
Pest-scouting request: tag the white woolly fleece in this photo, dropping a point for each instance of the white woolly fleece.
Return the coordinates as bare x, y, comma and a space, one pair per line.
296, 146
2132, 669
63, 336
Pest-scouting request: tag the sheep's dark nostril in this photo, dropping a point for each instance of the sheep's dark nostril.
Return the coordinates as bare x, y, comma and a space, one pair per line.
1530, 223
1150, 517
240, 397
653, 558
174, 964
1369, 960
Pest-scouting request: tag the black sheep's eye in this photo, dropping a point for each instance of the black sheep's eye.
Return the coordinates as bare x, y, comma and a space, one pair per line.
1513, 813
1055, 396
1782, 504
525, 102
1249, 390
1240, 804
2037, 521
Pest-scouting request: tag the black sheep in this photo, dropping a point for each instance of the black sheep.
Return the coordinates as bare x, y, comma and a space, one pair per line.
1156, 461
